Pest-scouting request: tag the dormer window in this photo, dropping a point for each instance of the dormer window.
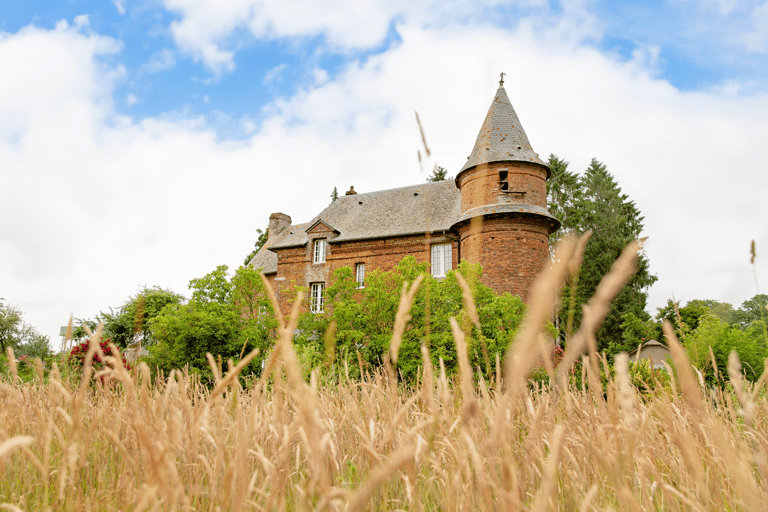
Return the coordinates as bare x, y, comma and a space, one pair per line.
503, 180
319, 252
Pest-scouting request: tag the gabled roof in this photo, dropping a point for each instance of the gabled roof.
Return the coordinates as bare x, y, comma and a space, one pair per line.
501, 138
321, 221
428, 207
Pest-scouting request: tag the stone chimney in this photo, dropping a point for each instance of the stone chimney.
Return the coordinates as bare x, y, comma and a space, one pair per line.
277, 223
350, 192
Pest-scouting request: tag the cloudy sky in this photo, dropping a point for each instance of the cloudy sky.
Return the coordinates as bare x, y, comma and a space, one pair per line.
143, 142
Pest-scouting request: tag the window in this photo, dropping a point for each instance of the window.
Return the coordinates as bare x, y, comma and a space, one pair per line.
316, 297
319, 251
503, 180
360, 275
441, 259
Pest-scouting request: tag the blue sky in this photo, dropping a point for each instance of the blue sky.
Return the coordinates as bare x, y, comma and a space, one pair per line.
144, 142
693, 45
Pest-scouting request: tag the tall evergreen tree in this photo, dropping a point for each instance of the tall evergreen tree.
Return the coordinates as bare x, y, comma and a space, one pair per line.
594, 201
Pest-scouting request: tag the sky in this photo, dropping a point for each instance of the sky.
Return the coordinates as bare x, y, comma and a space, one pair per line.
143, 142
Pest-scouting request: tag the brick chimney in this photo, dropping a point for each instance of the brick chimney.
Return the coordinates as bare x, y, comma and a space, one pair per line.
350, 192
277, 223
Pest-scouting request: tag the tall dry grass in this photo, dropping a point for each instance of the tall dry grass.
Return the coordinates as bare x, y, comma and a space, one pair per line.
371, 444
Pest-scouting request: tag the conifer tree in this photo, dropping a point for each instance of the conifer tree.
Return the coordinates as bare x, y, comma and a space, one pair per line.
594, 201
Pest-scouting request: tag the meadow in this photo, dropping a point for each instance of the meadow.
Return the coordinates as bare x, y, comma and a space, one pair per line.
117, 439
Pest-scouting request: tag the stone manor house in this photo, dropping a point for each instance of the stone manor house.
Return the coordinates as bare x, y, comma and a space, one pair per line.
494, 212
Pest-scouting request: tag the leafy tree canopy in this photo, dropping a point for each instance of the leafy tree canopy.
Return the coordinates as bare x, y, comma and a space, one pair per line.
750, 311
129, 323
19, 335
364, 319
227, 316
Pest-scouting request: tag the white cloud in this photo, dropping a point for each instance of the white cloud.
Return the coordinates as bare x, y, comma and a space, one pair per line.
206, 25
102, 204
120, 6
131, 100
757, 39
159, 61
274, 74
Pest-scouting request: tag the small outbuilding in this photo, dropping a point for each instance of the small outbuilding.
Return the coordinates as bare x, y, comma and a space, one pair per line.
656, 352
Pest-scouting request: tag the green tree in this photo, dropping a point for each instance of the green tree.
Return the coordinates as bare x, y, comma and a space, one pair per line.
690, 314
19, 335
226, 317
713, 333
130, 322
334, 195
438, 174
364, 319
260, 241
750, 311
594, 201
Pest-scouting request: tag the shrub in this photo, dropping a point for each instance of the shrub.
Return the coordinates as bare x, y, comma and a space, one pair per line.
76, 357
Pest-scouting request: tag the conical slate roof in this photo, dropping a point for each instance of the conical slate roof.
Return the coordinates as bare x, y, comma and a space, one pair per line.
502, 138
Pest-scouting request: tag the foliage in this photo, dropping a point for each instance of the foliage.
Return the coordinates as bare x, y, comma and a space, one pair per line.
689, 315
364, 318
750, 311
594, 201
260, 241
634, 331
20, 336
76, 357
334, 195
722, 338
130, 323
226, 316
438, 174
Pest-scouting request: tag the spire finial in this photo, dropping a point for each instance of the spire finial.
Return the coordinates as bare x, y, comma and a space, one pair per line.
501, 82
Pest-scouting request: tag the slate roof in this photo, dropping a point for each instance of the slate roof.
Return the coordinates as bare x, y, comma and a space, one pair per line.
501, 138
428, 207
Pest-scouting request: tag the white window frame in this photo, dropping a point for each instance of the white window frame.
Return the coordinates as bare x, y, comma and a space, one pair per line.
442, 259
360, 275
320, 250
316, 297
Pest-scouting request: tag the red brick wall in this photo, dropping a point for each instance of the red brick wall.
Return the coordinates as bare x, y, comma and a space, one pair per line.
480, 185
512, 251
295, 264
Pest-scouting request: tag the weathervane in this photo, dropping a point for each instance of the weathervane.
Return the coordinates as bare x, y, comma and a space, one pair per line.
501, 82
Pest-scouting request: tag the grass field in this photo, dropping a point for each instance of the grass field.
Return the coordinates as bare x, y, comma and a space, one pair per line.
372, 444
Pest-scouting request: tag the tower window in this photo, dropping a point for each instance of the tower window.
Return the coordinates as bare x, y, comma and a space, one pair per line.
316, 297
319, 251
441, 259
360, 275
503, 181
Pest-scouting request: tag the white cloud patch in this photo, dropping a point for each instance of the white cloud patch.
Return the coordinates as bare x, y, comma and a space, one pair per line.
757, 39
274, 74
159, 61
205, 26
120, 6
102, 204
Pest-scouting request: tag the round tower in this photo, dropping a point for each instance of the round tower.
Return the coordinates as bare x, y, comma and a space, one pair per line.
504, 222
